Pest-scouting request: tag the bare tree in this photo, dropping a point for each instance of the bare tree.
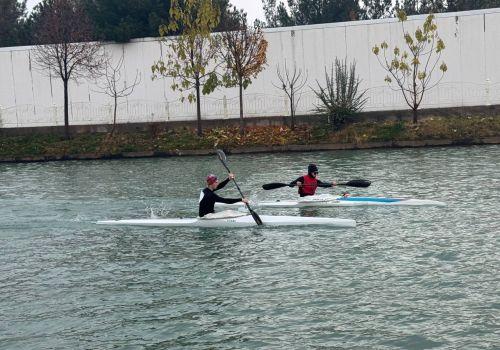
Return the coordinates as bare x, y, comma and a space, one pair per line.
64, 47
292, 83
112, 85
244, 52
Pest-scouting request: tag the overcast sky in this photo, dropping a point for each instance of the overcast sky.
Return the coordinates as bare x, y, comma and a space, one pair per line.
31, 3
252, 7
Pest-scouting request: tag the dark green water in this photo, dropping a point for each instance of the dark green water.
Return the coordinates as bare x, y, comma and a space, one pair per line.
405, 278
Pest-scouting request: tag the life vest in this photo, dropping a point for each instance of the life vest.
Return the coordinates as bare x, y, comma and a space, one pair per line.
309, 186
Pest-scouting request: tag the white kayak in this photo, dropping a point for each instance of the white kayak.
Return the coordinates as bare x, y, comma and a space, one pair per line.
340, 201
240, 221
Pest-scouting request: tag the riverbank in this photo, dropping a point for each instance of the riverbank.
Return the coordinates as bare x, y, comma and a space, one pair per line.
433, 131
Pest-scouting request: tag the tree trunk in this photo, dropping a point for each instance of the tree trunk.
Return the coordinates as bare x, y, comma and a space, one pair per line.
114, 116
414, 95
242, 123
292, 113
198, 107
415, 115
66, 110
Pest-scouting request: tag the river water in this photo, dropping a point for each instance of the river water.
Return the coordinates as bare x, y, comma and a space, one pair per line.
404, 278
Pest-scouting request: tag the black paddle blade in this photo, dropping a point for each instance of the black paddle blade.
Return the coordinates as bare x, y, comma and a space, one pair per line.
274, 185
256, 217
357, 183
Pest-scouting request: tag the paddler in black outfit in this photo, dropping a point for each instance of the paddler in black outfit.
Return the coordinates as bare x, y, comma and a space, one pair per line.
208, 197
308, 183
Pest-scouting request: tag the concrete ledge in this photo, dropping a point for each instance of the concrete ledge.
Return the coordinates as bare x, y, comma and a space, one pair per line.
138, 154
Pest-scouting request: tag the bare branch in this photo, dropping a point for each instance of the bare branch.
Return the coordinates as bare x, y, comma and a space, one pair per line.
292, 83
110, 86
65, 48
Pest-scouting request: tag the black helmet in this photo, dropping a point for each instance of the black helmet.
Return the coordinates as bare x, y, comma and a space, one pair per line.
312, 168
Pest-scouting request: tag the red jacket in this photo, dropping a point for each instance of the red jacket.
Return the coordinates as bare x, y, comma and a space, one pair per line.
309, 186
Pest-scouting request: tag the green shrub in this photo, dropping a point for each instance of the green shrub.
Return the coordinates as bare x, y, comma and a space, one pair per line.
388, 132
340, 99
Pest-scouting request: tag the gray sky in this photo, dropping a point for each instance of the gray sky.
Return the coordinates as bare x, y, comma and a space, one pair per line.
252, 7
31, 3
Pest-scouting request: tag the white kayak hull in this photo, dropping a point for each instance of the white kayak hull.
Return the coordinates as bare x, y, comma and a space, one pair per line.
242, 221
333, 201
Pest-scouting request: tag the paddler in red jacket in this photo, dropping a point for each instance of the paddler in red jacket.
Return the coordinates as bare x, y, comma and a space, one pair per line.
308, 183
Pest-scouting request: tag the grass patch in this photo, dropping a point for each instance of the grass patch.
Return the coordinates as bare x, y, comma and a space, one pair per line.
459, 129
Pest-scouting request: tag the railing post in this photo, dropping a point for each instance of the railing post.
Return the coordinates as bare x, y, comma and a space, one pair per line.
224, 104
488, 99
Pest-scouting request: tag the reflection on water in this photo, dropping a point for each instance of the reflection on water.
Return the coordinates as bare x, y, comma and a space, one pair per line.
404, 278
309, 211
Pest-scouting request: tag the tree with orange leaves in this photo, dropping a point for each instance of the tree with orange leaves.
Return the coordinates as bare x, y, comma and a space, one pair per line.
244, 53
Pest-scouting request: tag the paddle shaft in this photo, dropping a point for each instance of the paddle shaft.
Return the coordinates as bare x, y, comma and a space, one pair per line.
352, 183
255, 216
236, 184
337, 184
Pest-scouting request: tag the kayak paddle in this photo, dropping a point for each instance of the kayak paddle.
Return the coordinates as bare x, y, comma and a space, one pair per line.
222, 157
352, 183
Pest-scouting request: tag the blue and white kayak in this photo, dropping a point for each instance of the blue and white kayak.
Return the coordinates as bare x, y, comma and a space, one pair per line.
239, 221
340, 201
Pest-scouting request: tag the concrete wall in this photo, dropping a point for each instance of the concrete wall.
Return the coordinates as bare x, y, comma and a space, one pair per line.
28, 98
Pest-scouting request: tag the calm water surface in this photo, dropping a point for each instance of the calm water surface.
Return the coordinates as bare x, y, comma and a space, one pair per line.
405, 278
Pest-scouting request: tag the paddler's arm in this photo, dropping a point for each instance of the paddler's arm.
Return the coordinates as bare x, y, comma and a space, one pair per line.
229, 200
224, 183
298, 182
326, 184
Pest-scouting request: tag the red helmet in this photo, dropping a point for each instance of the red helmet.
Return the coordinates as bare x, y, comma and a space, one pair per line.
211, 179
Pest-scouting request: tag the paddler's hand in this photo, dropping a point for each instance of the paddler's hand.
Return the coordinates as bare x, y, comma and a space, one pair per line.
299, 183
334, 183
231, 176
244, 200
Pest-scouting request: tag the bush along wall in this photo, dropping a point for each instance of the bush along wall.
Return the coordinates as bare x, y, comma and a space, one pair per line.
456, 130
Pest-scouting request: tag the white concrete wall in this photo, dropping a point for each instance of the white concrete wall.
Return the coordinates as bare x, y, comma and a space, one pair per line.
29, 98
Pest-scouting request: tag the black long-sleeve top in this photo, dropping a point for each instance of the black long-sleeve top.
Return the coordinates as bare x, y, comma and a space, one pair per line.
208, 199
